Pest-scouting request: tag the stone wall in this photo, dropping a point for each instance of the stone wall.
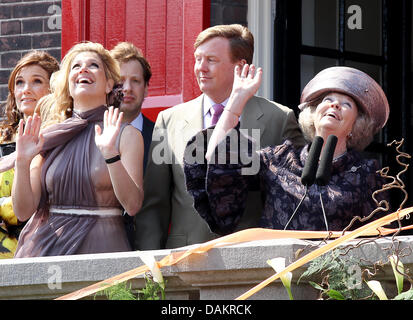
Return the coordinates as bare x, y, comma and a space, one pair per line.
219, 274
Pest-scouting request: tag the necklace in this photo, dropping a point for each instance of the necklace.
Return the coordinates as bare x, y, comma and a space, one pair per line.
339, 156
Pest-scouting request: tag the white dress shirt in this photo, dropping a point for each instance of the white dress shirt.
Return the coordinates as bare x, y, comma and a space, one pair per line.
138, 122
208, 114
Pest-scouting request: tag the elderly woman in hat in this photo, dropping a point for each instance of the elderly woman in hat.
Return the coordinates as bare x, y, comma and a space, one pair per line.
339, 101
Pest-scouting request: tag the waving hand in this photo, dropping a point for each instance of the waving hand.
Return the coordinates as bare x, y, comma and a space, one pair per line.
247, 80
29, 140
106, 140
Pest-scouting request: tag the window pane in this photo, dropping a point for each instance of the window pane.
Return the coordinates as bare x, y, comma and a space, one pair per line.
411, 77
373, 71
311, 65
228, 12
320, 23
363, 26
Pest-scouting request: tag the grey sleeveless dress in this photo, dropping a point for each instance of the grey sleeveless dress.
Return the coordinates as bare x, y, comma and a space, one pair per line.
75, 188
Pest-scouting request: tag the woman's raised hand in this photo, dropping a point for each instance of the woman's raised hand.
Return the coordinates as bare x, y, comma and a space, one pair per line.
29, 140
106, 140
247, 80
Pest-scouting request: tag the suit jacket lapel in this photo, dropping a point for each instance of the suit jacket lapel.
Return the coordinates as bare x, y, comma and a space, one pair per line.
250, 118
193, 118
147, 129
188, 122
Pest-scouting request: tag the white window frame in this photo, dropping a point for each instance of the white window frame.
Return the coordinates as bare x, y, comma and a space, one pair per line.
261, 16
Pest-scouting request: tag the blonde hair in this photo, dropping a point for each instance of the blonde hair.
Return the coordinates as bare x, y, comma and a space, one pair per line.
59, 105
362, 133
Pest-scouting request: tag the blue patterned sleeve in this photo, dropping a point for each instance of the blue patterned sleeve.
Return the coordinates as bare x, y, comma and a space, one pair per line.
220, 188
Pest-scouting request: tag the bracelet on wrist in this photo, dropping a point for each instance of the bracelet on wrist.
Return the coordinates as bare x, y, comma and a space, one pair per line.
232, 112
113, 159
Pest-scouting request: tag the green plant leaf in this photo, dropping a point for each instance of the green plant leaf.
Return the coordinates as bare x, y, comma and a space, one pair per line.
152, 264
152, 290
396, 270
376, 287
119, 291
334, 294
408, 295
278, 264
316, 286
325, 262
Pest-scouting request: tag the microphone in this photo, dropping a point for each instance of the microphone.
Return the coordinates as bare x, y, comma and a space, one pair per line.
309, 171
324, 169
321, 175
308, 175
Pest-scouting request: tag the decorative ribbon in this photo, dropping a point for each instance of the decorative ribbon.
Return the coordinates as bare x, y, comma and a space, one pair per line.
374, 228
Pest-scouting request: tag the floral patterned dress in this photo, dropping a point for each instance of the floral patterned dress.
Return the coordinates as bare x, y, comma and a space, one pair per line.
220, 190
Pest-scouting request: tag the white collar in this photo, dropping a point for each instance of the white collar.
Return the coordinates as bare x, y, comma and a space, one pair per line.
208, 103
138, 122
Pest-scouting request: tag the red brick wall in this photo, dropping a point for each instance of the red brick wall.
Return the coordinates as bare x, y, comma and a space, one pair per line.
26, 25
35, 24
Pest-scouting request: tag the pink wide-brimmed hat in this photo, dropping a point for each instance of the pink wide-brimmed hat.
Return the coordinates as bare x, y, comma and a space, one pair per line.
361, 87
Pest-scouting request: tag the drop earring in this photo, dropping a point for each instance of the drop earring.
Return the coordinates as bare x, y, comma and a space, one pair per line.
68, 112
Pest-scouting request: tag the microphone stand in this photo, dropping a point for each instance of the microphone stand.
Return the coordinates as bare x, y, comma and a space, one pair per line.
323, 172
324, 213
299, 204
295, 211
324, 169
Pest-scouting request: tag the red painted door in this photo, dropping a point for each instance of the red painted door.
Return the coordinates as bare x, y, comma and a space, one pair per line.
165, 31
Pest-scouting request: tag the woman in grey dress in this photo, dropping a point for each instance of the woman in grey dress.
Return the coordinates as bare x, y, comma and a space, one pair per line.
74, 176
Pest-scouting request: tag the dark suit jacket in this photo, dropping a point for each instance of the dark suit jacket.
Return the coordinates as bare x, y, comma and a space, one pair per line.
147, 128
167, 218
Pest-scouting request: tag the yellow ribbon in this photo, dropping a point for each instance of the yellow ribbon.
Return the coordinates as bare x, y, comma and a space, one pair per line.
371, 229
362, 231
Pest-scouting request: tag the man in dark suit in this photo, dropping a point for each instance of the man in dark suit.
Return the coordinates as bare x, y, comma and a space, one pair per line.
167, 218
135, 73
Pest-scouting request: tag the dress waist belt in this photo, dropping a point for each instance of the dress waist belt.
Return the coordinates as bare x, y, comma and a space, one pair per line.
96, 212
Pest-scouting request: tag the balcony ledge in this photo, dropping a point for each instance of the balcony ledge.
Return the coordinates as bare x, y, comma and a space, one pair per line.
220, 273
